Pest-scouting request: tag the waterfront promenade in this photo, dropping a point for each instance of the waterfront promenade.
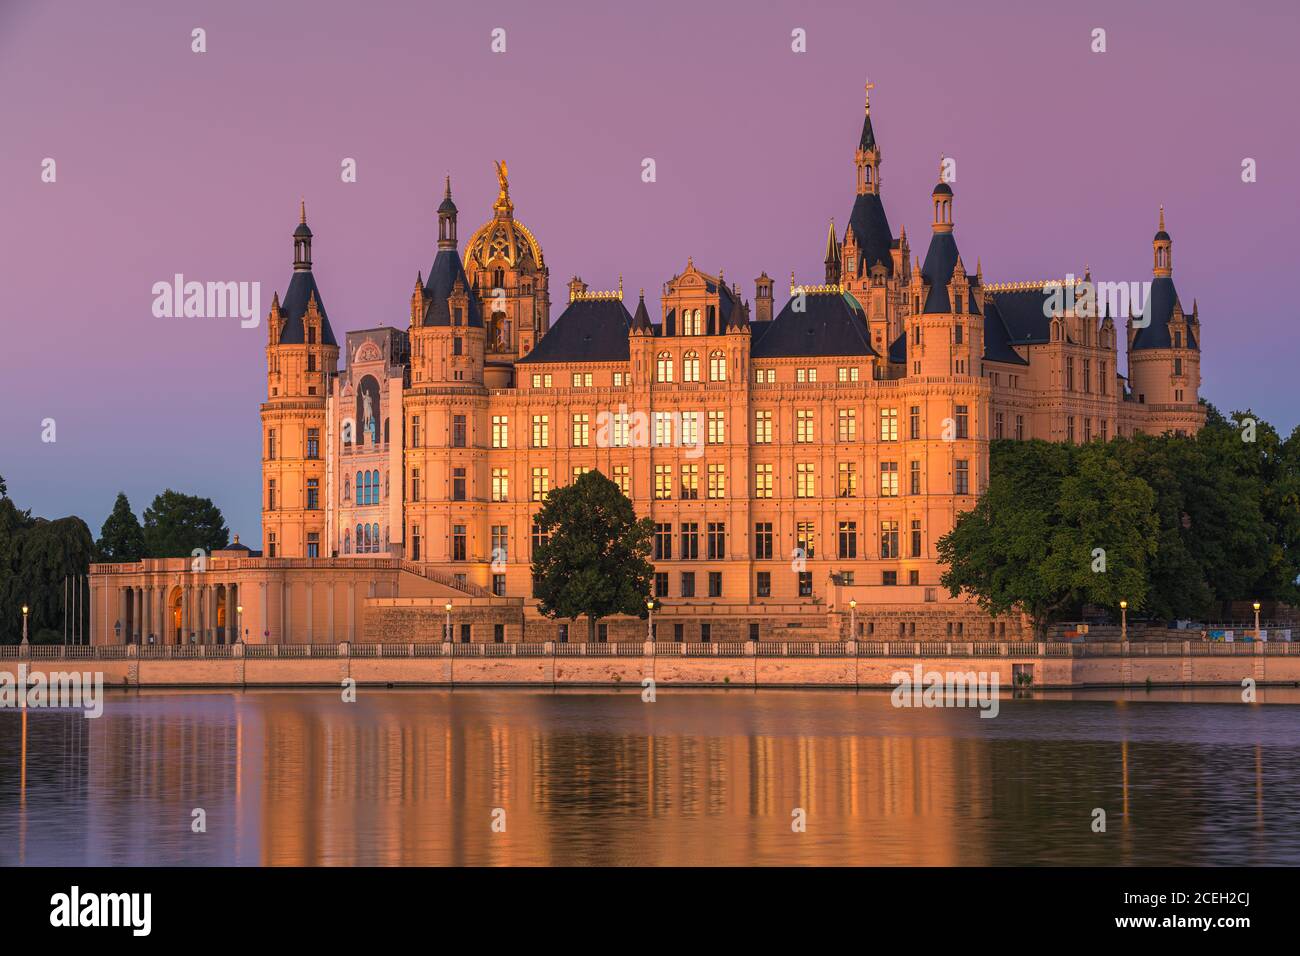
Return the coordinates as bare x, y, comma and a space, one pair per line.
1042, 665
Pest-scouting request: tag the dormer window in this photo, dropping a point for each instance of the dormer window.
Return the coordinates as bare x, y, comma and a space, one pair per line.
1178, 339
311, 335
457, 316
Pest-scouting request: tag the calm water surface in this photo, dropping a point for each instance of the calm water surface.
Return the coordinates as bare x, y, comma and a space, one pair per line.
696, 778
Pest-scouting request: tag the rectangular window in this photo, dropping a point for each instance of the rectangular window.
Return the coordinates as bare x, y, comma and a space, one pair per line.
803, 426
805, 480
889, 578
717, 481
717, 541
1087, 430
717, 427
663, 429
620, 421
715, 584
690, 548
763, 540
270, 544
848, 540
690, 482
1069, 374
915, 477
541, 431
313, 443
847, 482
961, 484
848, 424
762, 427
581, 431
1087, 375
539, 537
458, 484
762, 481
313, 494
541, 483
889, 424
688, 584
457, 345
889, 539
1069, 428
415, 542
500, 544
997, 424
663, 541
805, 584
763, 584
270, 495
661, 584
415, 431
916, 538
270, 444
690, 428
1020, 428
498, 630
458, 542
623, 479
500, 431
962, 417
458, 431
914, 422
500, 484
889, 479
313, 544
1101, 379
805, 539
1105, 430
415, 484
663, 482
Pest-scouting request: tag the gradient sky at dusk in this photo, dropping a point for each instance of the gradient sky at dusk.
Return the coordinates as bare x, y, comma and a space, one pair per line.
170, 161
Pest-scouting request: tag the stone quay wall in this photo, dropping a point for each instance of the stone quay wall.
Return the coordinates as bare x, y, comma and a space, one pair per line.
741, 665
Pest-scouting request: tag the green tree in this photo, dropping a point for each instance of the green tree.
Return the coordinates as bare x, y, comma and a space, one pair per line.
44, 554
176, 524
1058, 527
121, 538
594, 559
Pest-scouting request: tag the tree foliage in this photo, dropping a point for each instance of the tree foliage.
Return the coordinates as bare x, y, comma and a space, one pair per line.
121, 538
1185, 523
175, 524
594, 560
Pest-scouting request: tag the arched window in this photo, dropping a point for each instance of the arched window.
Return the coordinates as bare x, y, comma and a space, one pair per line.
691, 367
375, 484
361, 491
360, 540
374, 538
347, 541
347, 488
717, 367
664, 367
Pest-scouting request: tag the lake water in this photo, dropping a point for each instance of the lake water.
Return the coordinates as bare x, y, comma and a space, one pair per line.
697, 777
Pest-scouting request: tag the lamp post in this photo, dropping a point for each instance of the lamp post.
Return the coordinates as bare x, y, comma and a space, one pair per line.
853, 620
25, 610
447, 606
1123, 626
239, 623
650, 621
1256, 620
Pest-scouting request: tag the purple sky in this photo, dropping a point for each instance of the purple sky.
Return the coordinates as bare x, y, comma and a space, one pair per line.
170, 161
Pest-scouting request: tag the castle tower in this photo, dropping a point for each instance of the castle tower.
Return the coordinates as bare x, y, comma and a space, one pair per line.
445, 412
1164, 358
301, 357
509, 276
873, 264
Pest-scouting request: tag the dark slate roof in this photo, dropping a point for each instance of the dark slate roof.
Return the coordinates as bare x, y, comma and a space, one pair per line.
833, 323
898, 349
444, 272
868, 138
1021, 312
589, 330
296, 297
871, 231
642, 318
1156, 335
940, 260
941, 189
997, 339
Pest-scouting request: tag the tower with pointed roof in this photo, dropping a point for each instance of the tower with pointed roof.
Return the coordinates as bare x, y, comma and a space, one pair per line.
1164, 357
301, 356
873, 264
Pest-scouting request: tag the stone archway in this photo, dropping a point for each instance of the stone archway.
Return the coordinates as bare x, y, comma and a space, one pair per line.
175, 610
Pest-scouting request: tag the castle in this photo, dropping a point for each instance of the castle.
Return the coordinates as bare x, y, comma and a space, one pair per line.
792, 461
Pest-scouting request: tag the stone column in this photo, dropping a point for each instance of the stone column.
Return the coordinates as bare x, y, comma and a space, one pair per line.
309, 614
286, 612
212, 617
164, 615
232, 623
137, 618
352, 612
185, 613
119, 633
329, 612
265, 615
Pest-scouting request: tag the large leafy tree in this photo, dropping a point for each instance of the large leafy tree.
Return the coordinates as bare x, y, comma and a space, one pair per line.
594, 559
121, 538
1058, 527
176, 524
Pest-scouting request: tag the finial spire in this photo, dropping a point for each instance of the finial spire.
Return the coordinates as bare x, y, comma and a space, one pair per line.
446, 193
302, 210
1162, 216
942, 159
870, 86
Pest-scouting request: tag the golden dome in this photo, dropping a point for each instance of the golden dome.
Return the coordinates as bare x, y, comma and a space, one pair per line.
502, 238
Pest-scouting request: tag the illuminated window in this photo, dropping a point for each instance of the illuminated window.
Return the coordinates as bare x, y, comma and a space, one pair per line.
805, 480
889, 479
541, 431
541, 483
889, 424
848, 424
762, 427
717, 481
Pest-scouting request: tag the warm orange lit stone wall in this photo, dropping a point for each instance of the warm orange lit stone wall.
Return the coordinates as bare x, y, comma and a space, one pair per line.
1049, 672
